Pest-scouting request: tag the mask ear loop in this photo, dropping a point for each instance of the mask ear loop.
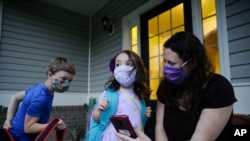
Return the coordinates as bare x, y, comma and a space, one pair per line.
185, 63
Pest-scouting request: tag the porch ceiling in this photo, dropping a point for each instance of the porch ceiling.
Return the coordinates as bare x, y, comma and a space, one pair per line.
85, 7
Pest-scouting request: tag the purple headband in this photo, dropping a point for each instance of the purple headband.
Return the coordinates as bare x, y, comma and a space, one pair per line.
112, 64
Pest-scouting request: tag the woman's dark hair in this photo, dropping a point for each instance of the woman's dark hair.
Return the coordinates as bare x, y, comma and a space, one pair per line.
141, 87
188, 47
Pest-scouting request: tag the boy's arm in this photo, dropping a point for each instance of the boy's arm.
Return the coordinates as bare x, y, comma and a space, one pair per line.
31, 125
12, 107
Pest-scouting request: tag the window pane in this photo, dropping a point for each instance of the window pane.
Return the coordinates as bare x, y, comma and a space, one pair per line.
135, 48
208, 8
177, 16
163, 38
209, 27
164, 25
153, 86
178, 29
153, 46
153, 27
134, 35
154, 67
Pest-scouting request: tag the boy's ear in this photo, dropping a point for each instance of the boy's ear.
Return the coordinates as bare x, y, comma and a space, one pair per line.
49, 74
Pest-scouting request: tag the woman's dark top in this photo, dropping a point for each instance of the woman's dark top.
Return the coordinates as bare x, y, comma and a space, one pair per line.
218, 93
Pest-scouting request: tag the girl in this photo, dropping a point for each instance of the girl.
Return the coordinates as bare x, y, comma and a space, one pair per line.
129, 85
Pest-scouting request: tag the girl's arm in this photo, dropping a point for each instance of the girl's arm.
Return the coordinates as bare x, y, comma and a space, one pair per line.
160, 134
211, 123
98, 110
12, 107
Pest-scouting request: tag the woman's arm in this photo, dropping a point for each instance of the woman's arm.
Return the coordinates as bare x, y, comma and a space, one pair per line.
160, 134
12, 107
211, 123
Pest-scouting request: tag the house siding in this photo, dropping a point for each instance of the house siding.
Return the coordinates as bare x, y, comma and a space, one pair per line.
238, 23
32, 34
238, 28
104, 47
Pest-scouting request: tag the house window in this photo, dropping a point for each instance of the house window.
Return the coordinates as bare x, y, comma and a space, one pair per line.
160, 28
134, 39
210, 38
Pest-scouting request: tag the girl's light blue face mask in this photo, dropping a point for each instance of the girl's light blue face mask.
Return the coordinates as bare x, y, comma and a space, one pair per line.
61, 85
175, 75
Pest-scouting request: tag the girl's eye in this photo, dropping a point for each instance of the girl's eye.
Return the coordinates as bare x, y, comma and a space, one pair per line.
117, 65
129, 64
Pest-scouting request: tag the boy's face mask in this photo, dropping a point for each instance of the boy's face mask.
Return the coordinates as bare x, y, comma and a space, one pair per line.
60, 85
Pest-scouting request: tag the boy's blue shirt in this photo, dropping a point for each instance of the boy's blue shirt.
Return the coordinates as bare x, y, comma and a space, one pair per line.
36, 103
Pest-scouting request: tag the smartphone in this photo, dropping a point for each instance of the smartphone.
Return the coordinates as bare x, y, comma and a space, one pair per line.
123, 125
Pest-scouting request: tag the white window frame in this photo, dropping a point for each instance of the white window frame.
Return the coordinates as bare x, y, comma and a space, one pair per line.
133, 19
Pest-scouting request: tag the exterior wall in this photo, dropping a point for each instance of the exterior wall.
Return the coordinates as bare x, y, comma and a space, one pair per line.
239, 37
238, 26
33, 33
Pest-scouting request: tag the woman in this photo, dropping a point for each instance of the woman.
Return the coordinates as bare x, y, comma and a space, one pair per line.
193, 102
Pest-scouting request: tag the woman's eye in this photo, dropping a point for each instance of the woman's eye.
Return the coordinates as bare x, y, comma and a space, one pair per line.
117, 65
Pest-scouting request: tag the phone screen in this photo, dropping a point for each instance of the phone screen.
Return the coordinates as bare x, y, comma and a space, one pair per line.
123, 125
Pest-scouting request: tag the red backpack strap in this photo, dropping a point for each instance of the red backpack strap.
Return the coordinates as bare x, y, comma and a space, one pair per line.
46, 132
5, 135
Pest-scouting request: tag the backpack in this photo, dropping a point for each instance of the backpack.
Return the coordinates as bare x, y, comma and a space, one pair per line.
96, 129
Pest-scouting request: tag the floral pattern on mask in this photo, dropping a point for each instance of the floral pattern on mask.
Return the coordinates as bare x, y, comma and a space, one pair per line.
60, 85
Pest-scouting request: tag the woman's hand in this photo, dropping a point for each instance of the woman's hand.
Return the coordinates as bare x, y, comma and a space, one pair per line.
140, 136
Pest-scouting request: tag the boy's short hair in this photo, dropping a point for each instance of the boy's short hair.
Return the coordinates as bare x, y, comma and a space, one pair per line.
60, 64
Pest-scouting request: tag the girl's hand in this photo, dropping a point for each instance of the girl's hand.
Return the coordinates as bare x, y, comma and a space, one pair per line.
104, 104
148, 112
61, 125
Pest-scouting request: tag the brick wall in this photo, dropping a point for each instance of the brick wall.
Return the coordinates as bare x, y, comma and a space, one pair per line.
70, 115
